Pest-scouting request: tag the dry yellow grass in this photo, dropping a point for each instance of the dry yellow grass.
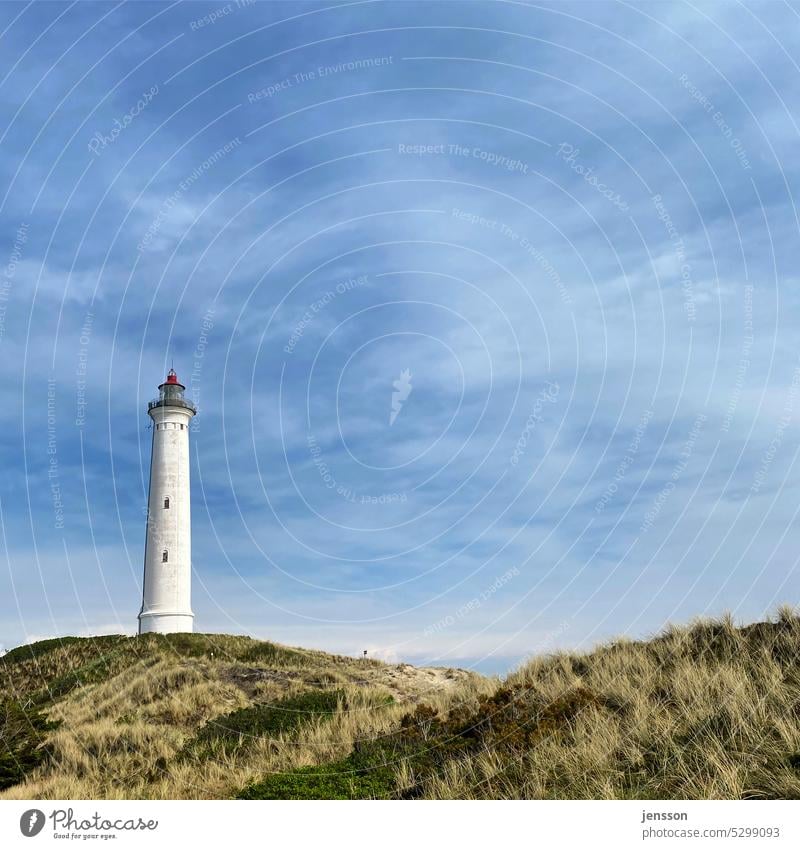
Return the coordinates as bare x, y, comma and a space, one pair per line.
121, 737
711, 711
707, 711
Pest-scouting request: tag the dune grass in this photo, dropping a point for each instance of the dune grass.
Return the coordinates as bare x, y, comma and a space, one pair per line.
280, 717
707, 711
186, 716
711, 711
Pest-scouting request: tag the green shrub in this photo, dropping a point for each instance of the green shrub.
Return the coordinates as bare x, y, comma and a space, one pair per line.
184, 645
369, 771
508, 720
93, 672
22, 734
270, 654
361, 775
333, 781
280, 717
34, 650
223, 647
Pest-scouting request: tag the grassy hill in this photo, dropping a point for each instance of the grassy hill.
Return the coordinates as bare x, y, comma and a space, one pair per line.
707, 711
191, 715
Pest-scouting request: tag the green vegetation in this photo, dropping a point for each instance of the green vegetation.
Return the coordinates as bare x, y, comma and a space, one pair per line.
708, 711
355, 777
51, 669
22, 736
34, 650
88, 673
190, 715
286, 715
424, 744
273, 655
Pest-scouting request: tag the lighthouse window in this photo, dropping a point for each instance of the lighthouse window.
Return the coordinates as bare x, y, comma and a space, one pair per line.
166, 503
164, 556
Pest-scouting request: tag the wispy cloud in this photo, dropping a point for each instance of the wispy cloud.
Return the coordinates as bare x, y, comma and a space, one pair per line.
366, 276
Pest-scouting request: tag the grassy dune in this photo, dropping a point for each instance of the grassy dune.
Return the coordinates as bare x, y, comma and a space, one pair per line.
711, 711
706, 711
191, 716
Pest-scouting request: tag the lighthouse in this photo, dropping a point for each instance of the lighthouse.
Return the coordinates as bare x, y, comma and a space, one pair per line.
166, 598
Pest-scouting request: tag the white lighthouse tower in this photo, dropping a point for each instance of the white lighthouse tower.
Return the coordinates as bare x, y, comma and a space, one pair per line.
166, 600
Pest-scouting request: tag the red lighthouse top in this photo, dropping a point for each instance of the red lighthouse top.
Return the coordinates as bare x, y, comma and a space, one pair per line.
173, 387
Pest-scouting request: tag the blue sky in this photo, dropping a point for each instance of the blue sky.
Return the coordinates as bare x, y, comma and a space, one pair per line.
566, 231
